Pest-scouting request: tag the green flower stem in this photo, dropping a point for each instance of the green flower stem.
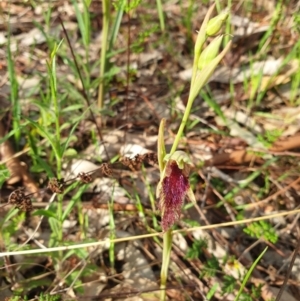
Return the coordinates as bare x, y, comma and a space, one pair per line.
183, 123
167, 245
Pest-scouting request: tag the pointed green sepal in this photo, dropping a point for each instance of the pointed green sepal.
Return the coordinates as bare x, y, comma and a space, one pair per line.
161, 149
191, 196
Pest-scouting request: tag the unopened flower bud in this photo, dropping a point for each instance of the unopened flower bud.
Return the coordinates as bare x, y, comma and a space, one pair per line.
201, 37
210, 52
214, 25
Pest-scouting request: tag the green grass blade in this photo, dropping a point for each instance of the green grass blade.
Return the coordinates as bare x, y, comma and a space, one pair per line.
103, 58
45, 134
213, 104
73, 200
160, 15
116, 25
83, 22
66, 143
14, 92
249, 273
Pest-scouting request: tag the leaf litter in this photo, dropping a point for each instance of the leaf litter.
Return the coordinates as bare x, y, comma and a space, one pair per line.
231, 151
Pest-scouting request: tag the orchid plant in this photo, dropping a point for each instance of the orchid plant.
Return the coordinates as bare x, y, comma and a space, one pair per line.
174, 167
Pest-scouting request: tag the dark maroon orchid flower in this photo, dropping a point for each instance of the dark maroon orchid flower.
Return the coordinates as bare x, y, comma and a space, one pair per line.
173, 187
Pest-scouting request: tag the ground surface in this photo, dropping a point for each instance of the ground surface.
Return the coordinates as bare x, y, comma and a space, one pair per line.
243, 138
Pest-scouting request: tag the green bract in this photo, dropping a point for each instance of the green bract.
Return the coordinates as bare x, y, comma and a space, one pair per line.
210, 52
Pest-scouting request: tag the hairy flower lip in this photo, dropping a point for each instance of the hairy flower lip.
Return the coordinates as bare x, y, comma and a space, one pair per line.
172, 190
173, 187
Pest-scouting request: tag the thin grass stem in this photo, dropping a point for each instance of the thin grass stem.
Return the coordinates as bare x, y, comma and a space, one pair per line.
160, 15
105, 29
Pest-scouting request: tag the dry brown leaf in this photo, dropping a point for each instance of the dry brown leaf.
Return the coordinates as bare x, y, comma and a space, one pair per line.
16, 168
